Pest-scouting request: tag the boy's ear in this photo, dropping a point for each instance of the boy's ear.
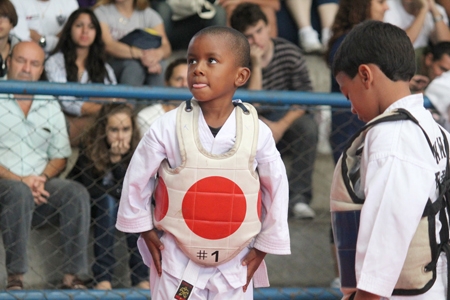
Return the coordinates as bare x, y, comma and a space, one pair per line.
243, 75
365, 74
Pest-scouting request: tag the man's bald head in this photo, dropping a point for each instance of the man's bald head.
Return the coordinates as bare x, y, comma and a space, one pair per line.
26, 62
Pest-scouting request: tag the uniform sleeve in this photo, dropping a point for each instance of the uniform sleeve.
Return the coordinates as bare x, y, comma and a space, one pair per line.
274, 235
396, 189
135, 213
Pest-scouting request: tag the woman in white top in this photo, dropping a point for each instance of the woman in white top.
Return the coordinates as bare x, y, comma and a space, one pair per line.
132, 65
80, 57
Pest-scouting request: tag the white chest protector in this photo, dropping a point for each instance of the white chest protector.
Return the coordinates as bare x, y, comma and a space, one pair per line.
211, 203
419, 270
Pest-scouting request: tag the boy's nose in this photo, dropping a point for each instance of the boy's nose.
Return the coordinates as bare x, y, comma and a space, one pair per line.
198, 70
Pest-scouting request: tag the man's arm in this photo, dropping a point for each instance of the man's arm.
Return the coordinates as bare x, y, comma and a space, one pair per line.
256, 78
279, 127
445, 4
54, 167
441, 31
363, 295
7, 174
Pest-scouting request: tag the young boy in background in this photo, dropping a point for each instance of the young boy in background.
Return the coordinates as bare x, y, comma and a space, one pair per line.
387, 202
221, 196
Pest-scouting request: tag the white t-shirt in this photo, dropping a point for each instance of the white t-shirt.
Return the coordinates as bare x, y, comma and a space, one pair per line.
46, 17
438, 91
397, 15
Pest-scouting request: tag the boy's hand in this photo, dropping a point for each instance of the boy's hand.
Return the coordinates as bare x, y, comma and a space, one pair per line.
252, 260
155, 246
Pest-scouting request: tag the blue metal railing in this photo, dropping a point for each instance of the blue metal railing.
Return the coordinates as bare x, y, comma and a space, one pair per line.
164, 93
146, 93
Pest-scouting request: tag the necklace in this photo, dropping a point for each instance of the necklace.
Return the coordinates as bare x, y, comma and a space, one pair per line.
45, 10
80, 75
123, 20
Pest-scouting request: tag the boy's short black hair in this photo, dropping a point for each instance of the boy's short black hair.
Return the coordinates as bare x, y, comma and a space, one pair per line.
375, 42
246, 15
238, 44
172, 66
438, 50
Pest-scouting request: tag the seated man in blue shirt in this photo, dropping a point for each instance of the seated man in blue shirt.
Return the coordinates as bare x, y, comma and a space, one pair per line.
34, 147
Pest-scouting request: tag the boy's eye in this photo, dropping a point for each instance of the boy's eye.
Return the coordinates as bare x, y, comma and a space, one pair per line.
212, 60
191, 61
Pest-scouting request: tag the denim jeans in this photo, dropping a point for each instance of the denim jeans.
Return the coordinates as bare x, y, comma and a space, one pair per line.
132, 72
299, 145
104, 215
67, 207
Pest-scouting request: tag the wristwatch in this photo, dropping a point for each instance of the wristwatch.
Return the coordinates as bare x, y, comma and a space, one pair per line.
438, 18
42, 42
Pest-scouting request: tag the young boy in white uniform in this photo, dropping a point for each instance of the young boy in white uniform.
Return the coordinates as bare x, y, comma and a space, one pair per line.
402, 165
218, 59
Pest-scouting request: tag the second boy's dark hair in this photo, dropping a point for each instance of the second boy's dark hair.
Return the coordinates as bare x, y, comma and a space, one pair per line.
172, 66
246, 15
438, 50
239, 45
375, 42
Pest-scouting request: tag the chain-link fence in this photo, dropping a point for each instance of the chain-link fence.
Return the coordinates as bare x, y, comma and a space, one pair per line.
53, 249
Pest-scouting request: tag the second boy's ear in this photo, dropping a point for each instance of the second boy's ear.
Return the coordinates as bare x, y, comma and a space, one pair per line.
365, 74
242, 76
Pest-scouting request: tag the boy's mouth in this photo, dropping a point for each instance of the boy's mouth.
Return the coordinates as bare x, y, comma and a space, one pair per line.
199, 85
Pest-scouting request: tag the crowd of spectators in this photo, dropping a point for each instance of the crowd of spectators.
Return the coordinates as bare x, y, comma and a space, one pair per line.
85, 42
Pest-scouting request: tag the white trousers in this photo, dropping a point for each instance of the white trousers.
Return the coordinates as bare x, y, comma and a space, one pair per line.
217, 288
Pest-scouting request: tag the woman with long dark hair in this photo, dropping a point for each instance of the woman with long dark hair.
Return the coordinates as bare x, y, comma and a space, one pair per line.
80, 57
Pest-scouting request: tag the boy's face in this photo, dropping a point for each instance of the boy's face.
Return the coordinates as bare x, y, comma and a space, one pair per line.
258, 36
355, 91
213, 73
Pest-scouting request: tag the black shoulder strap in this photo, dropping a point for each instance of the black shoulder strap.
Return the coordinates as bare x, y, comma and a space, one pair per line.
398, 115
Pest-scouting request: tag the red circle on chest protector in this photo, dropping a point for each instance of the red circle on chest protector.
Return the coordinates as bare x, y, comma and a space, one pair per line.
162, 200
214, 207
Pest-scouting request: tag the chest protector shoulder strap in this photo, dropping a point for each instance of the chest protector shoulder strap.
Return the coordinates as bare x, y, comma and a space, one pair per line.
211, 203
419, 270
